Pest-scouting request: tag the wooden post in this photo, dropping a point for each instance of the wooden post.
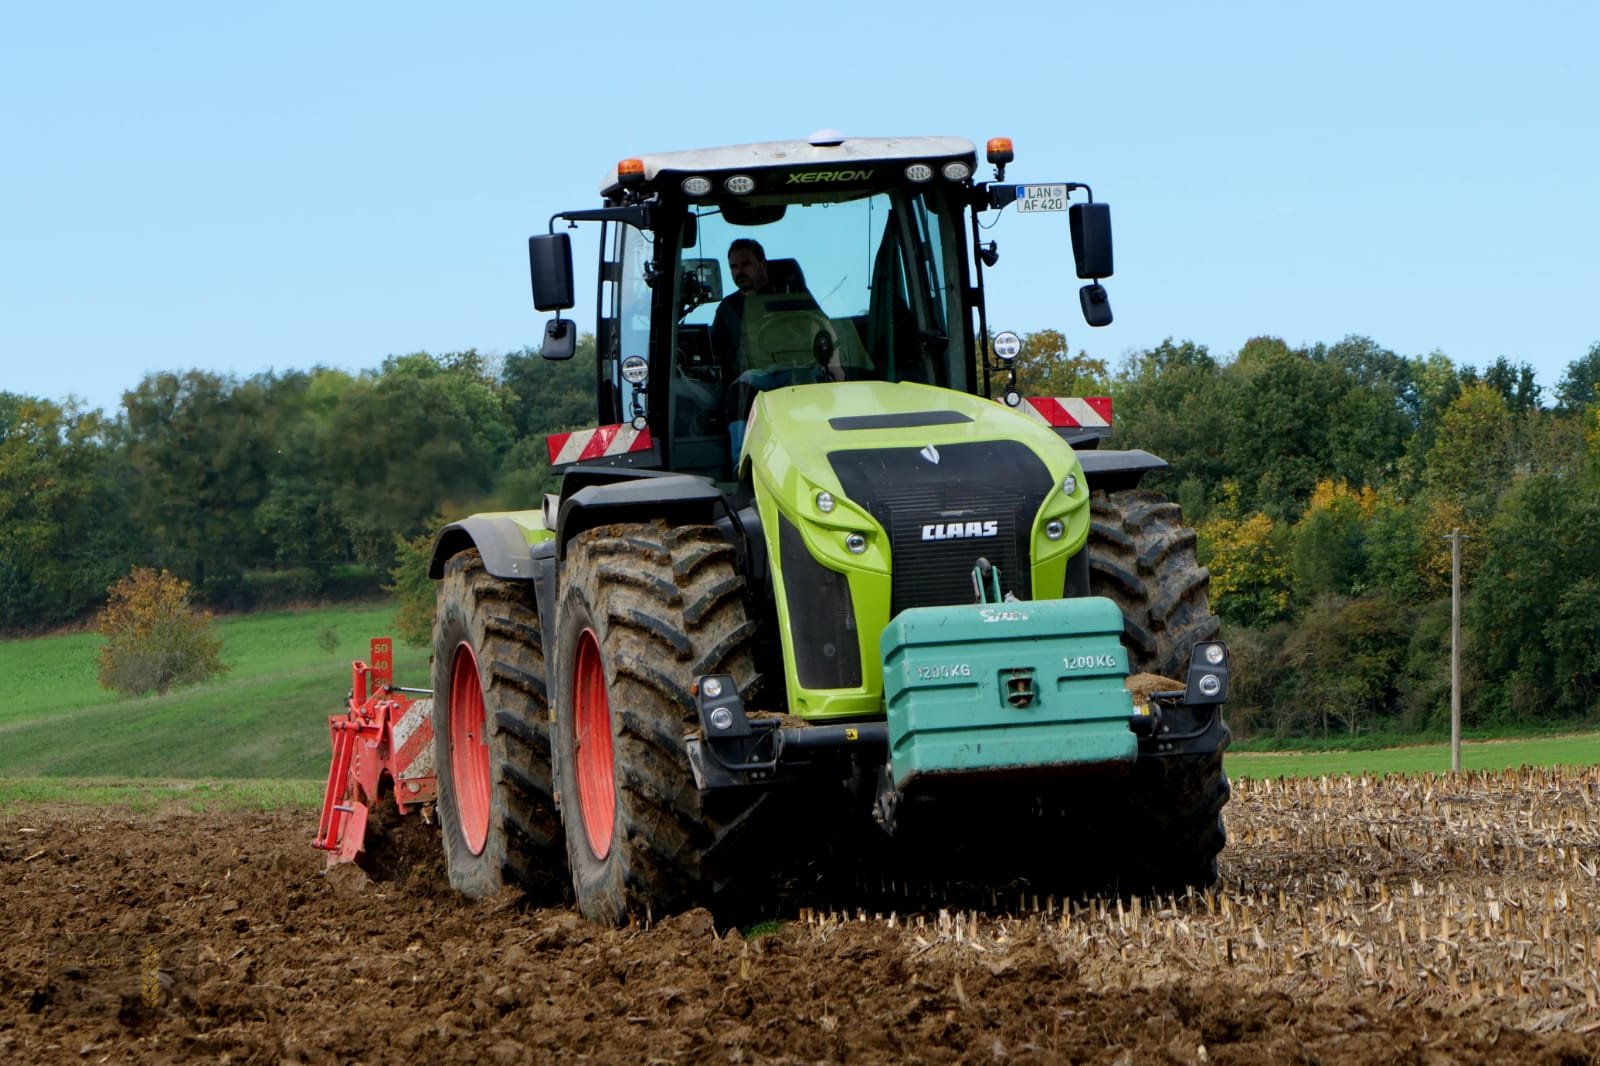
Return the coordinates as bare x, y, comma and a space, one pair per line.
1455, 538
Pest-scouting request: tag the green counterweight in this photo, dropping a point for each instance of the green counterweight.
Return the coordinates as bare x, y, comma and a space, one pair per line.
1007, 687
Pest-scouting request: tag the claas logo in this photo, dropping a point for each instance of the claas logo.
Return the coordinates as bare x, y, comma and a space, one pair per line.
960, 530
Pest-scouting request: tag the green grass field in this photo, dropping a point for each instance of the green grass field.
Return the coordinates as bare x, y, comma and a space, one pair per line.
265, 719
258, 737
1578, 749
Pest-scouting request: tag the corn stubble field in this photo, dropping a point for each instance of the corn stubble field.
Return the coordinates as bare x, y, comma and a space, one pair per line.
1438, 918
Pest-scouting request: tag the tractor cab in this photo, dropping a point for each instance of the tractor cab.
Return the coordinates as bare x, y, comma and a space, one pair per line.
732, 271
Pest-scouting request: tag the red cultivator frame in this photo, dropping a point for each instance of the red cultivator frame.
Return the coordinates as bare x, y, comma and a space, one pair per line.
384, 733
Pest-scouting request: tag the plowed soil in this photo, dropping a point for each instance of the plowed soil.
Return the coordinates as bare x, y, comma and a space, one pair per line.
1426, 920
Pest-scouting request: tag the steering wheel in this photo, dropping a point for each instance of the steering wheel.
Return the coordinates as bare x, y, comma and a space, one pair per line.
791, 339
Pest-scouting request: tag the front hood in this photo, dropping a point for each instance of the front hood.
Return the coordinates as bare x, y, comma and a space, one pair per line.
794, 430
930, 478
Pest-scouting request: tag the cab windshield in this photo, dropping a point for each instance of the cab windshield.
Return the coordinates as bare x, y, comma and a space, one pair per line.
772, 295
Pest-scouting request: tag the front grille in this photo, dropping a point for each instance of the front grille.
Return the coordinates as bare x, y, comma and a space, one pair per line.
936, 514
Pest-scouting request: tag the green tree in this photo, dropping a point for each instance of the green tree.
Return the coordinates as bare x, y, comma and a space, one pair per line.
1276, 430
1375, 415
62, 533
426, 435
1394, 548
1531, 607
1348, 656
298, 515
1328, 554
548, 396
412, 588
1580, 385
198, 446
1171, 400
1514, 382
1474, 452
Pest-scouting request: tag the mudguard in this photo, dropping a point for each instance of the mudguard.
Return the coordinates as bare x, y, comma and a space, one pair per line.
1113, 471
508, 543
680, 499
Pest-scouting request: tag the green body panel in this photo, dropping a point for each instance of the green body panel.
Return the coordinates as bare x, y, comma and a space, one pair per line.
529, 523
946, 676
786, 447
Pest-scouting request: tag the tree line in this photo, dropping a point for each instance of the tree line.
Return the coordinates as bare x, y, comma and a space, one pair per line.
279, 485
1322, 481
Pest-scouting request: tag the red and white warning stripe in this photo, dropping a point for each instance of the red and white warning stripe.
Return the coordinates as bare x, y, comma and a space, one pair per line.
413, 741
1069, 412
574, 447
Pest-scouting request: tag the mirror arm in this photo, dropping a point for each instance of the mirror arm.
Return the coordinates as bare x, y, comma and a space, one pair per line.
637, 216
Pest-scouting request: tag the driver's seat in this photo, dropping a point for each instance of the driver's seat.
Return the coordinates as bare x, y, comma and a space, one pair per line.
785, 275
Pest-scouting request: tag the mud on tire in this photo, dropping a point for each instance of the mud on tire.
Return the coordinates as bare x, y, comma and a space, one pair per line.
1142, 556
645, 609
498, 820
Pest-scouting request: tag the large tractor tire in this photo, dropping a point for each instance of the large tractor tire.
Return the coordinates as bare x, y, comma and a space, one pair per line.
1143, 557
645, 609
1173, 828
491, 736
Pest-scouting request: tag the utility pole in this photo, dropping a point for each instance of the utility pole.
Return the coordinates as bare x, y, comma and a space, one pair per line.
1455, 538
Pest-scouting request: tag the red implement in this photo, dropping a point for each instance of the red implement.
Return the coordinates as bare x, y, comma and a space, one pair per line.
384, 733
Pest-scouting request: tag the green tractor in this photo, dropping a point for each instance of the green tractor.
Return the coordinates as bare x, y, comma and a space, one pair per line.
820, 564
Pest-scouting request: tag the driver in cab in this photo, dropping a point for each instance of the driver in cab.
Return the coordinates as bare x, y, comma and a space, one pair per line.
770, 333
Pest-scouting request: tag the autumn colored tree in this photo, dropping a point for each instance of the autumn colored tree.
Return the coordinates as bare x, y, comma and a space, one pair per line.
1047, 367
1329, 553
1250, 583
154, 640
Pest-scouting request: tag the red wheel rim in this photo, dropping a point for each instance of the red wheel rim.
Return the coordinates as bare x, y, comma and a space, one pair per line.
469, 748
591, 733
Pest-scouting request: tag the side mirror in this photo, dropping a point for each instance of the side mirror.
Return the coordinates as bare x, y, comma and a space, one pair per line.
1091, 239
550, 264
1096, 305
560, 339
707, 274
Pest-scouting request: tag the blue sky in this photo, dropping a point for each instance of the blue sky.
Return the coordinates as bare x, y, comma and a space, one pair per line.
289, 185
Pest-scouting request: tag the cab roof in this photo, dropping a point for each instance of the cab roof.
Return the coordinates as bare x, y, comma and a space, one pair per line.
818, 151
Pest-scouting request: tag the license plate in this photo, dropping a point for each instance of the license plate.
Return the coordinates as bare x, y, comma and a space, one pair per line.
1032, 198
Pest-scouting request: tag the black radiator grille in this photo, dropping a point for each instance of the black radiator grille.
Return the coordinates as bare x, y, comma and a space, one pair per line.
977, 500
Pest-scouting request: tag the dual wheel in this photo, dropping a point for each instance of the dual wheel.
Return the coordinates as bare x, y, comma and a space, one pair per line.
644, 609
